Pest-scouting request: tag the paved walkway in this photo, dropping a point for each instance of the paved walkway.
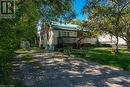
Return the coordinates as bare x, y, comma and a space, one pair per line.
57, 70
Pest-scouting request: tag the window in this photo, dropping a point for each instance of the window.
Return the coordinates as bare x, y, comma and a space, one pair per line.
63, 34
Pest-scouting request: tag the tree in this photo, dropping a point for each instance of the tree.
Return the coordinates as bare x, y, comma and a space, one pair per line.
108, 16
87, 30
81, 34
77, 22
55, 10
125, 29
23, 27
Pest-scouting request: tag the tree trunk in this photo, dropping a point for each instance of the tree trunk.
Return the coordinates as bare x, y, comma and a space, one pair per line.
79, 42
117, 45
128, 45
117, 34
128, 37
40, 41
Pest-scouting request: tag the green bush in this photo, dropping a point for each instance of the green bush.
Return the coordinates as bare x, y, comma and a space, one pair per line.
5, 66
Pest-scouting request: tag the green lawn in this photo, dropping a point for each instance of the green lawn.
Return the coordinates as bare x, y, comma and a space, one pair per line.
105, 56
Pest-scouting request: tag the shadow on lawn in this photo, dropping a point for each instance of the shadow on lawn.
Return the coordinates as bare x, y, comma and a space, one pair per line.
105, 56
61, 71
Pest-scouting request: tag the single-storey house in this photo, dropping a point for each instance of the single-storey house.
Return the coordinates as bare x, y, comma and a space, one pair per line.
63, 35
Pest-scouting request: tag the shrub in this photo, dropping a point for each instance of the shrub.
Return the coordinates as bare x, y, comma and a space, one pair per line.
5, 66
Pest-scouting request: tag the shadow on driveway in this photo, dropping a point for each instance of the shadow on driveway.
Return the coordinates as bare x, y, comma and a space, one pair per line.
57, 70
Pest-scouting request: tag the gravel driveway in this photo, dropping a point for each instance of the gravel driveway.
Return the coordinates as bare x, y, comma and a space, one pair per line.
57, 70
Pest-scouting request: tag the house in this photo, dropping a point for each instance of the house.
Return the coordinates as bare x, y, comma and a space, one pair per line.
63, 35
59, 36
108, 39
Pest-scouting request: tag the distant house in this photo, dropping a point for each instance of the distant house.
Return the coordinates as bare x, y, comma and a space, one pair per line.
64, 35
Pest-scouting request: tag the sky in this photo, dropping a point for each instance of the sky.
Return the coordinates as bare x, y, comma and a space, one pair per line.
78, 5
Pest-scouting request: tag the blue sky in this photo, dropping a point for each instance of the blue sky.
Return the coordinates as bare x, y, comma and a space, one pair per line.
78, 5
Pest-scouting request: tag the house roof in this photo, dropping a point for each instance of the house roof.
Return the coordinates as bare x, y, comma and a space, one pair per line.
66, 26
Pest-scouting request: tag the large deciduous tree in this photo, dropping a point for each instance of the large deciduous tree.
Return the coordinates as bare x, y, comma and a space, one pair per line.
23, 27
111, 16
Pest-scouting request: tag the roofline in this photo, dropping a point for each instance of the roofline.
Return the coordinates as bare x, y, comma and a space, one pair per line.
66, 29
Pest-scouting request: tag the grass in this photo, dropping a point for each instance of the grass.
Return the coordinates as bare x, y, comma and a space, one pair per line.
6, 79
106, 56
25, 56
26, 51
